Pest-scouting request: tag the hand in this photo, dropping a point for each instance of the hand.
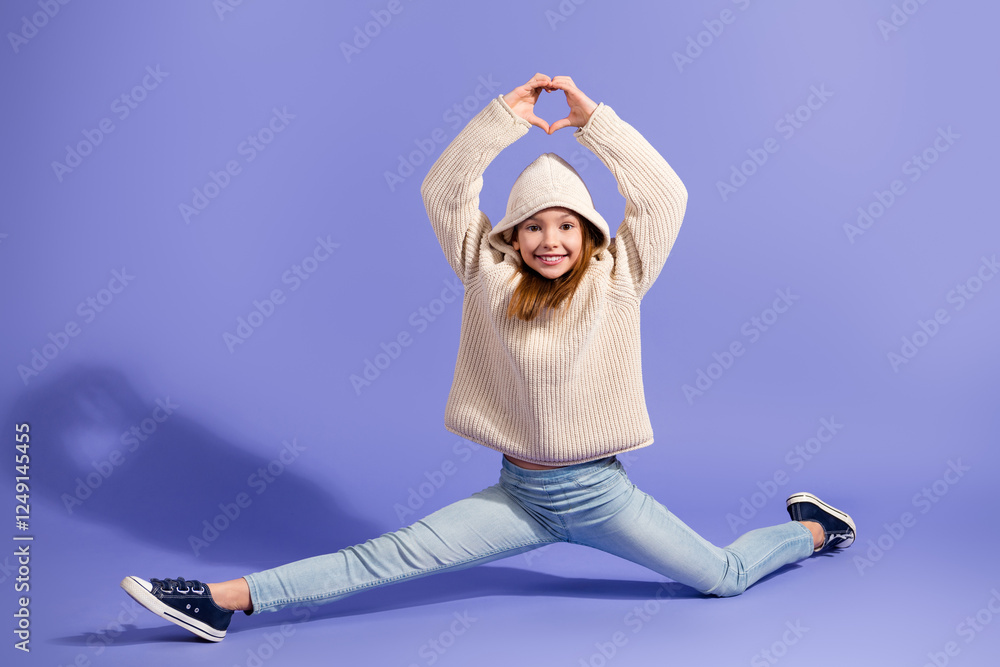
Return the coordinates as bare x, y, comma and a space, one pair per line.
522, 100
580, 106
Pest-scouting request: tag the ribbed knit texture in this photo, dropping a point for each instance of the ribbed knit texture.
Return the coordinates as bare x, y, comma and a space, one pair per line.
553, 391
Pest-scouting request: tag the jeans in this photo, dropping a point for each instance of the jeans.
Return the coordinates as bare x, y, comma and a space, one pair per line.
592, 503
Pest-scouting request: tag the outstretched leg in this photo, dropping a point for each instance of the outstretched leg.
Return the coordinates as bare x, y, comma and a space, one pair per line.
486, 526
637, 527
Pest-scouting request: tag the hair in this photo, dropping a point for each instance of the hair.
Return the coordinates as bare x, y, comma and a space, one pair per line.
536, 294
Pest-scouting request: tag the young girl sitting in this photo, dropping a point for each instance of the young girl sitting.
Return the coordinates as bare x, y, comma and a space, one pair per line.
548, 373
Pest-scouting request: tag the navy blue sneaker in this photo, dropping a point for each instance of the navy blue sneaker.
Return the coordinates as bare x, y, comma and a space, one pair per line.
838, 526
188, 603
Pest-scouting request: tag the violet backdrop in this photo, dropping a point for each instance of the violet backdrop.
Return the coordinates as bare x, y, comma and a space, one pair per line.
231, 329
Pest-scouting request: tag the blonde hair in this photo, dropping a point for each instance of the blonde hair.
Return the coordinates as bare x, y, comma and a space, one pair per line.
536, 294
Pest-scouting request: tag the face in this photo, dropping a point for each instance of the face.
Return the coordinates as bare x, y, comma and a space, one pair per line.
550, 241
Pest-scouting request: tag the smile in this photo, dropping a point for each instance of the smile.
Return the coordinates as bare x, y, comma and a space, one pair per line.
550, 259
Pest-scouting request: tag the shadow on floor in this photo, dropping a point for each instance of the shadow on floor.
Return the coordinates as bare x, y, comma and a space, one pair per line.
174, 484
447, 587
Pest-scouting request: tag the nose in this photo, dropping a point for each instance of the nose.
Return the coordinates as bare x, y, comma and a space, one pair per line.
550, 239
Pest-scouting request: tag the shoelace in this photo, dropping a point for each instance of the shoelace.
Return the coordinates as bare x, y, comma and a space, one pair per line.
180, 585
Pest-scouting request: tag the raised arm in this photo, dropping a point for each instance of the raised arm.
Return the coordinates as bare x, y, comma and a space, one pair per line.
655, 197
451, 188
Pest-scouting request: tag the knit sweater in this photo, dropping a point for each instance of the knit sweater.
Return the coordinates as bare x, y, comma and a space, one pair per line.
553, 391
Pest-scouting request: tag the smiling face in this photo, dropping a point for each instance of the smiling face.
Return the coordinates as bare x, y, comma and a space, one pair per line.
550, 241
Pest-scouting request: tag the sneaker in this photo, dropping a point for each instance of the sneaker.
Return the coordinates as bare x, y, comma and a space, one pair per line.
187, 603
837, 525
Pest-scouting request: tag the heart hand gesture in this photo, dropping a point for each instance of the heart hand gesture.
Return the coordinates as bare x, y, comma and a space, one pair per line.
522, 101
580, 106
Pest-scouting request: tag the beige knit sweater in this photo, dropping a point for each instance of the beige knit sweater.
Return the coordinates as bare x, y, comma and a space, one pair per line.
553, 391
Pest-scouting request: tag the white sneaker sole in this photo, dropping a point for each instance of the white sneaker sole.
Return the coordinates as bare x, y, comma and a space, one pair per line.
810, 498
134, 587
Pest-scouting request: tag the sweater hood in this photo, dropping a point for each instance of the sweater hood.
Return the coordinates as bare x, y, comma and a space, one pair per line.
548, 181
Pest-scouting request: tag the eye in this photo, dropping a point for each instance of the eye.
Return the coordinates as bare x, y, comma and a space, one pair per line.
568, 225
532, 228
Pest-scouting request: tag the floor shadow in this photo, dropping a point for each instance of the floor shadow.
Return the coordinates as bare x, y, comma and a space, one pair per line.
781, 570
488, 581
167, 487
129, 635
176, 487
465, 584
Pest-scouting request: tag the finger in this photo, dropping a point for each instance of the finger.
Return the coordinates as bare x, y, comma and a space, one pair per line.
559, 124
540, 122
562, 82
528, 89
526, 94
538, 81
567, 86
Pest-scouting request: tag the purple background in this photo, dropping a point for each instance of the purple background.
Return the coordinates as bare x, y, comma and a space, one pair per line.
346, 120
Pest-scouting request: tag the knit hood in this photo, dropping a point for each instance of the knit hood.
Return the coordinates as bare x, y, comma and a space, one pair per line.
546, 182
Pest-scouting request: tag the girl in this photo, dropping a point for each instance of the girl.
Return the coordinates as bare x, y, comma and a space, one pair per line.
548, 373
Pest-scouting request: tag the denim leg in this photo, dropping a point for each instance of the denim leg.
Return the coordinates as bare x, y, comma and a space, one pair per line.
637, 527
486, 526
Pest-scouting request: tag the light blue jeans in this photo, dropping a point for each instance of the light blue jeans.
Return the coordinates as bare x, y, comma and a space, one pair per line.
593, 504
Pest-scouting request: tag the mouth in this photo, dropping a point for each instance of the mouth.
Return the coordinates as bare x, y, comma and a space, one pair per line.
550, 260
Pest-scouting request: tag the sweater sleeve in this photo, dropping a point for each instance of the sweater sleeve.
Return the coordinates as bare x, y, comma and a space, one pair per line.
451, 188
655, 197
